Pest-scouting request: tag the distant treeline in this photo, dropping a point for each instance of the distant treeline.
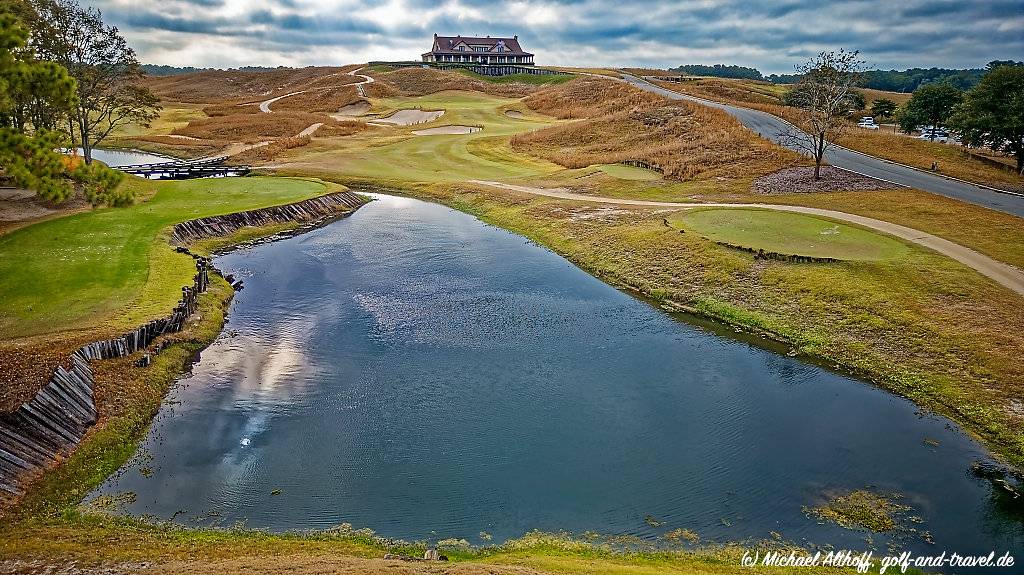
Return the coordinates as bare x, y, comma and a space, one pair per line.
888, 80
721, 71
156, 70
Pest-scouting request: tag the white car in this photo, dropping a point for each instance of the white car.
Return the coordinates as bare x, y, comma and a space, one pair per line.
868, 124
934, 136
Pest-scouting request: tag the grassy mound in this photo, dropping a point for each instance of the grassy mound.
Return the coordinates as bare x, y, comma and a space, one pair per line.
538, 79
211, 86
250, 128
424, 81
624, 123
793, 234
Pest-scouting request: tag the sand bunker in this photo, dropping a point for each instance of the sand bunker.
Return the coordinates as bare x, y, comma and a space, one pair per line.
18, 206
410, 117
447, 130
352, 110
513, 113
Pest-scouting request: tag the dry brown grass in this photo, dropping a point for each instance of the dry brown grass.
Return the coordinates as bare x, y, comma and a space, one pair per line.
739, 92
624, 123
871, 95
423, 81
251, 128
328, 100
599, 71
263, 154
951, 160
177, 147
230, 109
589, 97
340, 128
649, 72
237, 86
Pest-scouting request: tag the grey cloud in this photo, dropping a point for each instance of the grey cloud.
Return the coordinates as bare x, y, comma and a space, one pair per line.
772, 36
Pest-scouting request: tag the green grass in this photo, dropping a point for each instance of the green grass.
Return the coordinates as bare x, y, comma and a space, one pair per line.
538, 79
624, 172
172, 115
791, 234
394, 155
106, 268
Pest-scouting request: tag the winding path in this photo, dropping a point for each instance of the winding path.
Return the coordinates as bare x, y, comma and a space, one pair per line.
265, 105
774, 129
1004, 274
359, 85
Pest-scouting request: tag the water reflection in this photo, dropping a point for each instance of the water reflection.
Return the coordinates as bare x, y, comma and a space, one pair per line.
115, 158
413, 370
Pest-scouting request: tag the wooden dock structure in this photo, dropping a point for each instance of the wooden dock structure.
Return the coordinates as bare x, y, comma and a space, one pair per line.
183, 170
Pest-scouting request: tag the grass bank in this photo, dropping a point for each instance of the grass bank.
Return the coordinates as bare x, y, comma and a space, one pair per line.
104, 269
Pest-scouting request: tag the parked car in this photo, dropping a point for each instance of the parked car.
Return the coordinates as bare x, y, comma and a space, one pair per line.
868, 123
934, 135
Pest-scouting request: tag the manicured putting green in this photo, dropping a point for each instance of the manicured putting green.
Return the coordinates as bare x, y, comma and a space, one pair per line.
789, 233
624, 172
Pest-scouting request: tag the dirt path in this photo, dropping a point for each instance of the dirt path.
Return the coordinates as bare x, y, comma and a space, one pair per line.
265, 105
309, 131
1004, 274
359, 85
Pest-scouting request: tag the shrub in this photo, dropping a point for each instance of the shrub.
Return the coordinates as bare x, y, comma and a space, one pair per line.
101, 185
32, 162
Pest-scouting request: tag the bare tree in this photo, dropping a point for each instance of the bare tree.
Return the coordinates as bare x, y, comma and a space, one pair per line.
824, 96
107, 72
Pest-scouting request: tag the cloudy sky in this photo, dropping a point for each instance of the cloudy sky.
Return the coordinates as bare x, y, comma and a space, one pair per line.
772, 36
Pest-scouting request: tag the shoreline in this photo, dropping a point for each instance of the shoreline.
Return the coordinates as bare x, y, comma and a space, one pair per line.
764, 337
33, 438
364, 540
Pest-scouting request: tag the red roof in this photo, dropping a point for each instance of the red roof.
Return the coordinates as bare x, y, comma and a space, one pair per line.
449, 45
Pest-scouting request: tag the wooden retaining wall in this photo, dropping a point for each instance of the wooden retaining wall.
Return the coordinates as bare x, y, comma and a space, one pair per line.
309, 210
767, 255
54, 421
643, 164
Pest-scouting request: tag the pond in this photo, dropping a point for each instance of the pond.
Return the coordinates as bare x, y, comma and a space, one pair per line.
115, 158
413, 370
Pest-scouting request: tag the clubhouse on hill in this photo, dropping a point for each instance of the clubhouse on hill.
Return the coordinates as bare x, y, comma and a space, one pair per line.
478, 51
